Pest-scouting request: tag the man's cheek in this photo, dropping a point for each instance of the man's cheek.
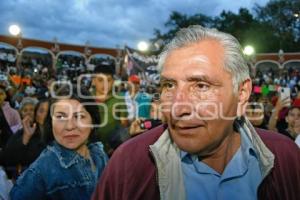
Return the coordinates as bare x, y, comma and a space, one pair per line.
166, 109
206, 110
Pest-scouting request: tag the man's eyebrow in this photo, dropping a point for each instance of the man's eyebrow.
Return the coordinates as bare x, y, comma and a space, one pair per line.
193, 78
204, 78
164, 79
198, 78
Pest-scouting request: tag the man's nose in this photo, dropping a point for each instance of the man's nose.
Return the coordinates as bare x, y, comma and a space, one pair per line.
182, 105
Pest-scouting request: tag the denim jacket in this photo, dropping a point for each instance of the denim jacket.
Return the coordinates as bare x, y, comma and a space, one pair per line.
60, 173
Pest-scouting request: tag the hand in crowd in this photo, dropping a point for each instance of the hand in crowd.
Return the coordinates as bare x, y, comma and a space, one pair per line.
135, 127
28, 128
281, 103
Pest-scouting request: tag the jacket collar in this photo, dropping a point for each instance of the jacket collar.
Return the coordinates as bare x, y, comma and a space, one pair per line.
65, 156
167, 160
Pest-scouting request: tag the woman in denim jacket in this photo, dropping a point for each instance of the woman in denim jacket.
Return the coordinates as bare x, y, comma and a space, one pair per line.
70, 165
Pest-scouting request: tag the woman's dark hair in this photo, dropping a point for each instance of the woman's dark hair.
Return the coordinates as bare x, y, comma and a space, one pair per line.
82, 96
41, 101
5, 131
292, 108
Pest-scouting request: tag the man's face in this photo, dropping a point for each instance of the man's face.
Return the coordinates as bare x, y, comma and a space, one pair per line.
103, 83
197, 99
136, 87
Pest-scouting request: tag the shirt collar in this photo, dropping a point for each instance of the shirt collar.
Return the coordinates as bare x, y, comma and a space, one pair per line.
246, 144
65, 156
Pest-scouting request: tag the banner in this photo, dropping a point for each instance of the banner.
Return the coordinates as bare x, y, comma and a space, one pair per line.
143, 66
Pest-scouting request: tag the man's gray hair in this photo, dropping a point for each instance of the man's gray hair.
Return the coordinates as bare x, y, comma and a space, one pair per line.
234, 62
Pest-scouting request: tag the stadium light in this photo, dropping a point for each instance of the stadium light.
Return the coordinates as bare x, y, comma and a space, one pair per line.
15, 30
143, 46
248, 50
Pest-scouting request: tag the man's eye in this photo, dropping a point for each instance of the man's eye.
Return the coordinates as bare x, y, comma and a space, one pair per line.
168, 85
202, 86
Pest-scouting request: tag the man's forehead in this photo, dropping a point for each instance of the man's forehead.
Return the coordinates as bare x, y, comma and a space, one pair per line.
102, 75
199, 59
205, 47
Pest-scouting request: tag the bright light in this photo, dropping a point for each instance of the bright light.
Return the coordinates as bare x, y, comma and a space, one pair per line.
143, 46
14, 30
296, 15
248, 50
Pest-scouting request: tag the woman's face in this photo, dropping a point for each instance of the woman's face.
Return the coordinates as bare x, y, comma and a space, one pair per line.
42, 112
28, 110
293, 117
2, 96
71, 123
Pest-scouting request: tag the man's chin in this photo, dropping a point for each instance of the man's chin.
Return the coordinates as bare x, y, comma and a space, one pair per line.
189, 148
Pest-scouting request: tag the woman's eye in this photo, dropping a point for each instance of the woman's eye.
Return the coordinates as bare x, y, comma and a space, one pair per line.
60, 117
79, 116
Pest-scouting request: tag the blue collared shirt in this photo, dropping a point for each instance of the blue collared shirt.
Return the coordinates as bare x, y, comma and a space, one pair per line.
239, 180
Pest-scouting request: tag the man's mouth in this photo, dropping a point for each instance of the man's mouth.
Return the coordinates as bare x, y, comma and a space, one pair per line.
187, 129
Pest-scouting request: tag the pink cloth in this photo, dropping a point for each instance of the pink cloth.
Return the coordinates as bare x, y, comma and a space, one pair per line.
12, 117
257, 89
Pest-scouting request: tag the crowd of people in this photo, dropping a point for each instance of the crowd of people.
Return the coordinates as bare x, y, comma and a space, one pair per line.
207, 132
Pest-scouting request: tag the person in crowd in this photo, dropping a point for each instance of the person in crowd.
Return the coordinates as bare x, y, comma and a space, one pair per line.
5, 132
293, 121
27, 144
112, 107
17, 99
256, 115
14, 155
140, 100
140, 125
208, 149
11, 115
277, 120
70, 165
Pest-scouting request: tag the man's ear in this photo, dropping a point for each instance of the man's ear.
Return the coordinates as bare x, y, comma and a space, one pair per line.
244, 93
245, 90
